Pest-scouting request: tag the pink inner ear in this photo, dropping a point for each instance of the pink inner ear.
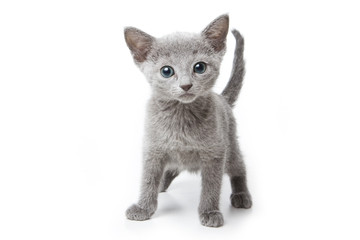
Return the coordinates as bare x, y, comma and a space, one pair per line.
216, 32
139, 43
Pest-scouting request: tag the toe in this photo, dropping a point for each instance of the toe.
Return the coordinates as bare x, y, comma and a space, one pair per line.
136, 213
241, 200
212, 219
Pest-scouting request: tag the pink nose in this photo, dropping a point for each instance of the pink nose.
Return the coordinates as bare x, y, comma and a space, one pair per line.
186, 87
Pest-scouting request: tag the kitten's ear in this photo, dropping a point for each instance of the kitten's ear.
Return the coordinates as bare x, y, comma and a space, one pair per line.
138, 42
216, 32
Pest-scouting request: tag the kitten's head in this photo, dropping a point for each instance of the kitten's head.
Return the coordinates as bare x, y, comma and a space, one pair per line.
180, 66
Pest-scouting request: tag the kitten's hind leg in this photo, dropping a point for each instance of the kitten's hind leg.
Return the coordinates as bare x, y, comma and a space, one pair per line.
167, 178
235, 167
240, 197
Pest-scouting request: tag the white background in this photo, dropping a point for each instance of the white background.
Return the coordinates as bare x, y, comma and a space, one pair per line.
72, 109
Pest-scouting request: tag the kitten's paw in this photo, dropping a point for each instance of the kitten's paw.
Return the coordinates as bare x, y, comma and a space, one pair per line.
241, 200
212, 219
136, 213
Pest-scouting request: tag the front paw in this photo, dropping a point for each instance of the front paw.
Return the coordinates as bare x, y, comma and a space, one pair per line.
136, 213
212, 219
241, 200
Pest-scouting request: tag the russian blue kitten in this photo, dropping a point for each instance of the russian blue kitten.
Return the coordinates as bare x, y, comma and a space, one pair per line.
188, 126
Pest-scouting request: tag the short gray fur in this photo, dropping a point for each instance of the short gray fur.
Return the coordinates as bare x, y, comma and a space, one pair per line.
194, 132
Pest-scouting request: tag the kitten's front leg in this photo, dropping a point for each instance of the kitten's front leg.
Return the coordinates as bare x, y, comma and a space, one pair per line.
212, 174
153, 168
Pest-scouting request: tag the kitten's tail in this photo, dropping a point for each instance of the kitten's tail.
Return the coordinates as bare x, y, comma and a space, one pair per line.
232, 89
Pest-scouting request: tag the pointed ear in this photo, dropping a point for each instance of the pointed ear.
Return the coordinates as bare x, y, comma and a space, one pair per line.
138, 42
216, 32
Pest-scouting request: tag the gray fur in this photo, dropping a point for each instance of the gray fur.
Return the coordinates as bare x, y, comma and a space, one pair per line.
196, 132
167, 178
232, 89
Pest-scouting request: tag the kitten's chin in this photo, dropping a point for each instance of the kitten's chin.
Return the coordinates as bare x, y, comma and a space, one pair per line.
187, 98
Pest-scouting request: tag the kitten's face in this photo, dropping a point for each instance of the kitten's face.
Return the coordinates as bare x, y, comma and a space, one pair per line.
180, 66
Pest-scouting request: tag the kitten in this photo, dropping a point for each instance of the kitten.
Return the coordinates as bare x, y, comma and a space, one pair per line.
188, 126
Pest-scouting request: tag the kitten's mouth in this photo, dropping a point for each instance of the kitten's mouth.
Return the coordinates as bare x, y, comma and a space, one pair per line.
187, 95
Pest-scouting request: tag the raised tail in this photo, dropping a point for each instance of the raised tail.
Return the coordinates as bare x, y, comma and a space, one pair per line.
232, 89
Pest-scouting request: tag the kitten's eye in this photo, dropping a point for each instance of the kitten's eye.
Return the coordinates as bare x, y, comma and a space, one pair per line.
200, 67
167, 71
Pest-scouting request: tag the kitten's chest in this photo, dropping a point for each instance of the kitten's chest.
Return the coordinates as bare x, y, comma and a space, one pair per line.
185, 130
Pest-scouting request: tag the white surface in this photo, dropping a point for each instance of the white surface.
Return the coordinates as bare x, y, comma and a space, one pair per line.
72, 112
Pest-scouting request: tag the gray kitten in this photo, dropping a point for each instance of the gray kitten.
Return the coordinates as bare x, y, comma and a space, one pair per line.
188, 126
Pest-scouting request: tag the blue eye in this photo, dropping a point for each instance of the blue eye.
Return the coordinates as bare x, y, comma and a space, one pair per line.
167, 71
200, 67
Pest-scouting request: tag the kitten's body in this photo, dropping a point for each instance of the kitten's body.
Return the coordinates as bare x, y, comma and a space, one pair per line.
190, 129
202, 126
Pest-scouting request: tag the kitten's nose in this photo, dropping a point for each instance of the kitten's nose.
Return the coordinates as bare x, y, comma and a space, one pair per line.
186, 87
